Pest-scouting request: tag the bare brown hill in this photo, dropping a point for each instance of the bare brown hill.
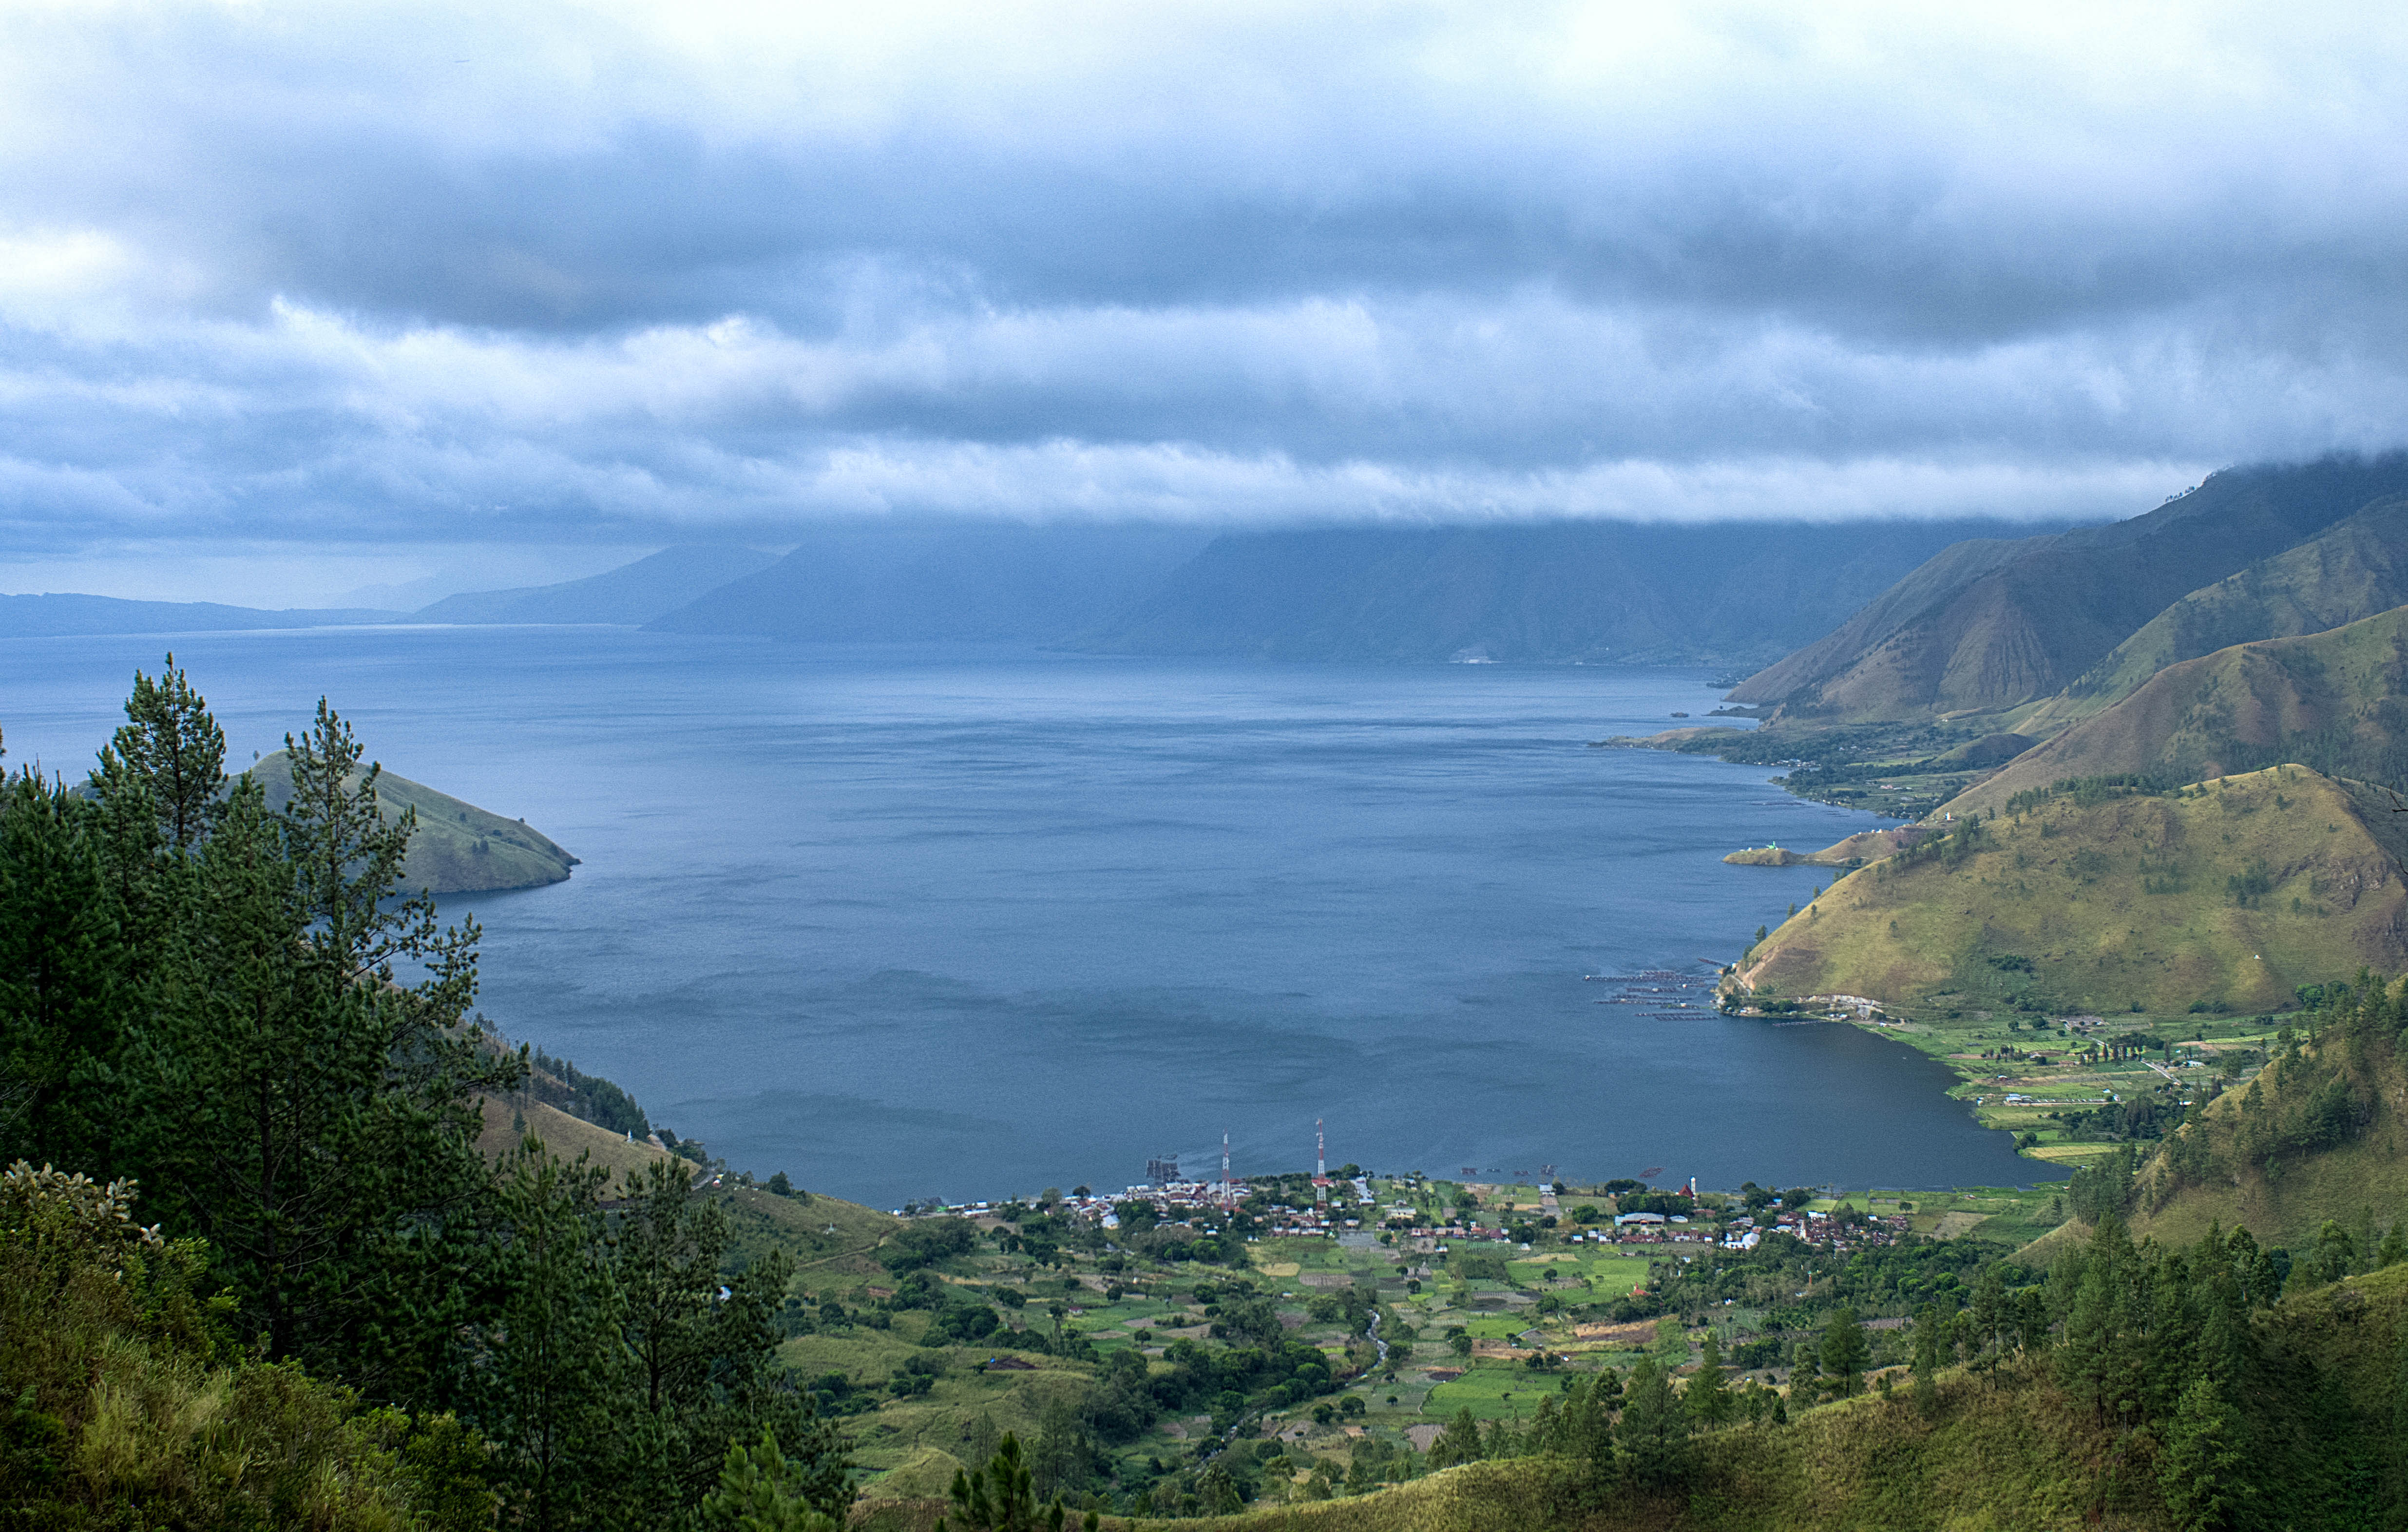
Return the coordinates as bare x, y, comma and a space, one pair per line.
2336, 701
1985, 627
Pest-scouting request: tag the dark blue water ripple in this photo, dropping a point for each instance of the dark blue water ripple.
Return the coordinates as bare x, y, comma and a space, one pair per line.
954, 921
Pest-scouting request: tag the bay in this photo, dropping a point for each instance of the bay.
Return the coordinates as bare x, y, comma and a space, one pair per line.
962, 922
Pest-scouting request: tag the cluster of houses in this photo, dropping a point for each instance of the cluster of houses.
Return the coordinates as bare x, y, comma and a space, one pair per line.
1182, 1201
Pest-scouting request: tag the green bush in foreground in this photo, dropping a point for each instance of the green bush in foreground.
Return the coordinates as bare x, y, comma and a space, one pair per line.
125, 1408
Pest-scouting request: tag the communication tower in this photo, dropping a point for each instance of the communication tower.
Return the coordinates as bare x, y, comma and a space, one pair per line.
1320, 1163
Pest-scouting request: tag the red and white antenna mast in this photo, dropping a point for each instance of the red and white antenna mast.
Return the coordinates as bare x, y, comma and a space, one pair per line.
1320, 1163
1229, 1188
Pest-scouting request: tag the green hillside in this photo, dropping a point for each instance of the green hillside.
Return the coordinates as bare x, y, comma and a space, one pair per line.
2317, 1136
2351, 571
2336, 701
2226, 894
459, 848
2010, 1449
1990, 627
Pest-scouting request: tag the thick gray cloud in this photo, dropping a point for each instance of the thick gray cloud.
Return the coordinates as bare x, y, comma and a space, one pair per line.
613, 273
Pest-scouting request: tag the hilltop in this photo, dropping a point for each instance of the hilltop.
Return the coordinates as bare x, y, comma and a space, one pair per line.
1986, 627
2353, 570
2226, 895
458, 847
2331, 700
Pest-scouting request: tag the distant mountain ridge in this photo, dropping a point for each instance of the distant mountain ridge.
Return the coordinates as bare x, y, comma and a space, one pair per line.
71, 616
942, 581
1599, 592
629, 596
1990, 628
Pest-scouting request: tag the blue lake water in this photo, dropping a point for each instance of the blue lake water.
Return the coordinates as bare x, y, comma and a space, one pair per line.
966, 922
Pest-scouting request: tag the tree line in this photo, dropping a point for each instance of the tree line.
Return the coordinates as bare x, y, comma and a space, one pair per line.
232, 1019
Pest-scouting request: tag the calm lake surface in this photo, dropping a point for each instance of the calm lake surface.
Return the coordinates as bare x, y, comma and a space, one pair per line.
964, 923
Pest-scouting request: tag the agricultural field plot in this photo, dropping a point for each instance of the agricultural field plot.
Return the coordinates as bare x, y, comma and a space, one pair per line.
915, 1411
1496, 1326
1492, 1393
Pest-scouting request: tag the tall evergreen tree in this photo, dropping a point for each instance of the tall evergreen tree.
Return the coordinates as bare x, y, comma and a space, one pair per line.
1927, 1330
553, 1365
2198, 1471
64, 1000
174, 752
1708, 1397
1844, 1351
1653, 1434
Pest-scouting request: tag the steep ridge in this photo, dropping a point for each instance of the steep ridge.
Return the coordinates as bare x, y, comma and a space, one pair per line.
458, 847
629, 596
1728, 594
2229, 895
2352, 570
1989, 629
2337, 701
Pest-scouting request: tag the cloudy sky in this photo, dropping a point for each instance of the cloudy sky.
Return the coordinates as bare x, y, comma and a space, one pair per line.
294, 298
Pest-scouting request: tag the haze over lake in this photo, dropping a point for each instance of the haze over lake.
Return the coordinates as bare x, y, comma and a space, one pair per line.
967, 922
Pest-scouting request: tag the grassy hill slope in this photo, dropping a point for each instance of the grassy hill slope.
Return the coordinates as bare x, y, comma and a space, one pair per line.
2336, 701
2277, 1158
459, 848
2228, 894
2353, 570
1989, 629
508, 1121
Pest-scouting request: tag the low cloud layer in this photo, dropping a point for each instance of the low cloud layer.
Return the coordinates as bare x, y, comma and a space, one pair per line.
613, 275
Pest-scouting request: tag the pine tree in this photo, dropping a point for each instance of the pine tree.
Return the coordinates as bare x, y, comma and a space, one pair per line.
999, 1498
1707, 1396
319, 1130
176, 752
2199, 1470
1927, 1326
1653, 1435
552, 1366
760, 1492
1843, 1350
63, 999
1459, 1442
